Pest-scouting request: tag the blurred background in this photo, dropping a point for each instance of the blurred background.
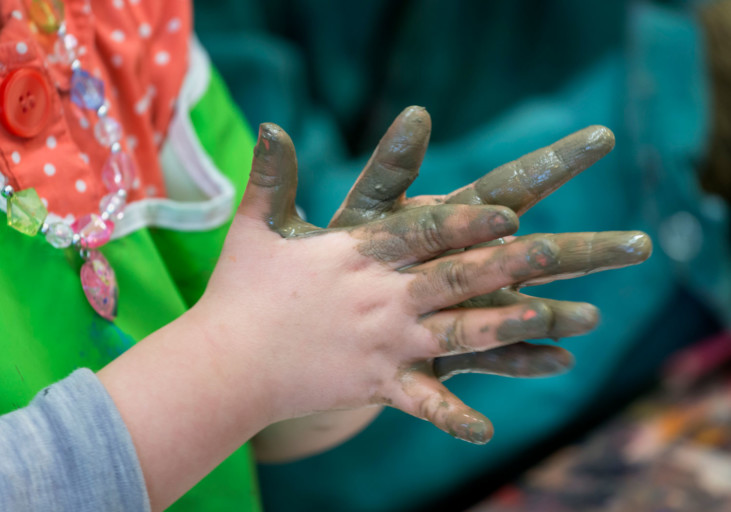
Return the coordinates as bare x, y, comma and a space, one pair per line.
501, 79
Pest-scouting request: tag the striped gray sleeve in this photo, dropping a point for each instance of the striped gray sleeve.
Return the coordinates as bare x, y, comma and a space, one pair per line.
69, 450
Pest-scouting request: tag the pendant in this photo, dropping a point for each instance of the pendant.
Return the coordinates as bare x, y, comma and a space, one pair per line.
100, 285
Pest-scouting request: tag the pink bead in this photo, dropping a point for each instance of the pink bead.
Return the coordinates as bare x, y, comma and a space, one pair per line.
100, 285
119, 172
94, 230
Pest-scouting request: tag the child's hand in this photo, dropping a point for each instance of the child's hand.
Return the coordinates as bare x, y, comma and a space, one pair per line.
380, 191
345, 317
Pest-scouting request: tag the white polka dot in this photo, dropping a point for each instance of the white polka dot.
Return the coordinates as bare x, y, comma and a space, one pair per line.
81, 185
17, 15
84, 157
131, 142
157, 138
49, 169
117, 35
142, 105
116, 61
119, 4
86, 9
15, 157
162, 58
136, 184
21, 48
44, 201
82, 50
174, 25
134, 1
151, 190
145, 30
84, 122
51, 142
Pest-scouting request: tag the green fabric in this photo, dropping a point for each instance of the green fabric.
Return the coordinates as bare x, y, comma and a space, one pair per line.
49, 329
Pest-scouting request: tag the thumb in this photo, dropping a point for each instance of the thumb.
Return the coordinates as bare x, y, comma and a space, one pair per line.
270, 193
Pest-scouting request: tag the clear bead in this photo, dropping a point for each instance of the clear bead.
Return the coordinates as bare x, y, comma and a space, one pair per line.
107, 131
87, 91
112, 205
119, 172
65, 49
60, 235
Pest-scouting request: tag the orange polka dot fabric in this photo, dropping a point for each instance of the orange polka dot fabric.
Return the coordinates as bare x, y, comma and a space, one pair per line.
139, 49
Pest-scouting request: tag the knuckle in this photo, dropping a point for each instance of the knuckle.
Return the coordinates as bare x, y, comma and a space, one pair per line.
454, 339
456, 277
543, 254
429, 236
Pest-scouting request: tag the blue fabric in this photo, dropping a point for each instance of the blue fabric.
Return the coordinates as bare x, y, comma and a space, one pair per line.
69, 450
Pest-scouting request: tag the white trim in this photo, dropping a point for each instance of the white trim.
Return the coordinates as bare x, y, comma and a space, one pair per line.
201, 197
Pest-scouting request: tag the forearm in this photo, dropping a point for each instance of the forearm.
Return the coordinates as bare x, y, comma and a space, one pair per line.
302, 437
181, 395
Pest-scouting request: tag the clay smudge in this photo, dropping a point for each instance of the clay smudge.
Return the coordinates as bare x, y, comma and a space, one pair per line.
515, 360
523, 182
391, 169
534, 322
431, 231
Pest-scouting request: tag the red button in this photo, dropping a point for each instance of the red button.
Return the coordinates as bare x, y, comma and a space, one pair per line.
25, 102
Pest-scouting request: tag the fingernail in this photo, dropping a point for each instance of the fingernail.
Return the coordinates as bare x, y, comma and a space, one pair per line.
638, 244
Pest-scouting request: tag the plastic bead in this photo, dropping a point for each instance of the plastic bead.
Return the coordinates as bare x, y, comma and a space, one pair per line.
65, 49
119, 172
60, 235
107, 131
100, 285
112, 205
26, 212
94, 230
87, 91
46, 14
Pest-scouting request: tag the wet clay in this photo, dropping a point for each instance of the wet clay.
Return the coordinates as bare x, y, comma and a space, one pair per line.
521, 183
514, 360
535, 322
544, 258
391, 169
431, 230
569, 318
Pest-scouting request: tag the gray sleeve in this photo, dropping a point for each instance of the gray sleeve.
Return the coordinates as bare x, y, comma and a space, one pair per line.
69, 450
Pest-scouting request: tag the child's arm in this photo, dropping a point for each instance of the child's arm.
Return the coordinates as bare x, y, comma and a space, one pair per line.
380, 191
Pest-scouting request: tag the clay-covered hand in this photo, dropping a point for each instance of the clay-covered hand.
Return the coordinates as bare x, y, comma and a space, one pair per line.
380, 191
345, 317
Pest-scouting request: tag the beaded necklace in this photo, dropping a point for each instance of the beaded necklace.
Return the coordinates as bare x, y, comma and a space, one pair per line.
25, 210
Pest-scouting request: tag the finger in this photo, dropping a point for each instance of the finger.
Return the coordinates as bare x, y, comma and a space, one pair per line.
515, 360
457, 331
393, 166
270, 193
447, 281
429, 400
522, 183
420, 234
569, 318
586, 253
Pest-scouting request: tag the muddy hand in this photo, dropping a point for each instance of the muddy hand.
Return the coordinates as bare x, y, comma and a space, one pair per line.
351, 316
394, 165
